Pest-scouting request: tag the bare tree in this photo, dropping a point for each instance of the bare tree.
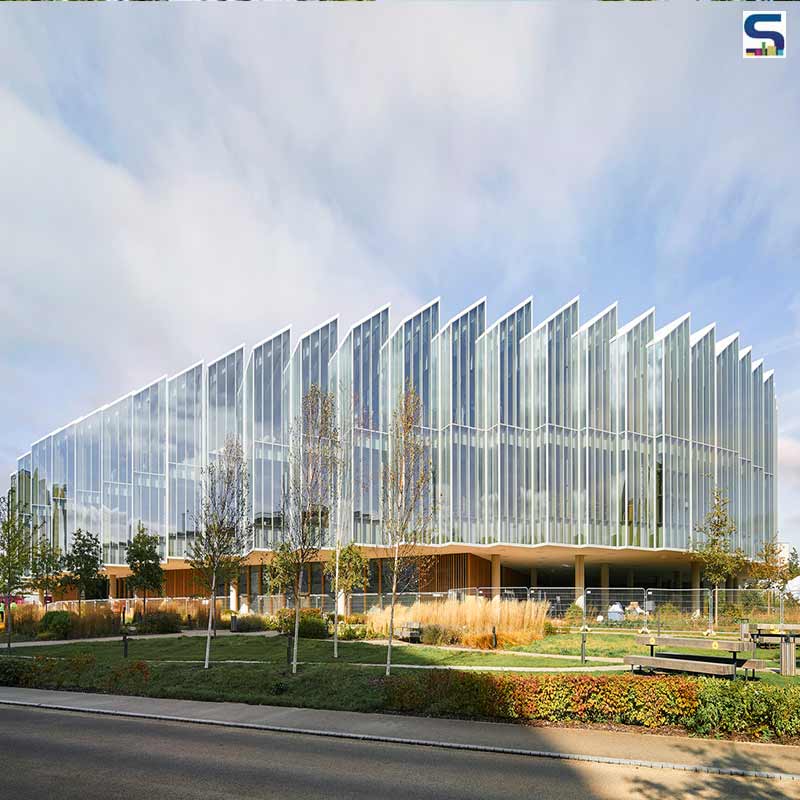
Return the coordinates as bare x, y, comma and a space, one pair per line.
223, 525
408, 507
15, 554
309, 491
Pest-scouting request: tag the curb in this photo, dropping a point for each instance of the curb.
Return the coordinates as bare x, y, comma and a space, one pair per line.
367, 737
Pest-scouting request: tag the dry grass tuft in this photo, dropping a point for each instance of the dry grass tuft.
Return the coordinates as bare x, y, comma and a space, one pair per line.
516, 621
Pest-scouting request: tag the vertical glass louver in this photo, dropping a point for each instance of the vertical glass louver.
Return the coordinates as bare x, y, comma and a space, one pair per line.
630, 410
225, 401
729, 422
185, 457
554, 437
460, 450
150, 460
117, 464
559, 434
354, 371
703, 423
597, 442
669, 375
504, 478
266, 434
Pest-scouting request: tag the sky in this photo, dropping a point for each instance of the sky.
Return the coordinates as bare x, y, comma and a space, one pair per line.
178, 180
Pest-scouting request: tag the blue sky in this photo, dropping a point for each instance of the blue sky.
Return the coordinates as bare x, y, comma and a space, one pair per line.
175, 183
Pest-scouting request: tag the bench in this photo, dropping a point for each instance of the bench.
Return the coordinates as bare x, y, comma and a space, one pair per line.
411, 632
723, 664
687, 664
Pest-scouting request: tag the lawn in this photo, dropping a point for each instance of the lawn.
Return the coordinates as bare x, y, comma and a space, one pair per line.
616, 645
272, 650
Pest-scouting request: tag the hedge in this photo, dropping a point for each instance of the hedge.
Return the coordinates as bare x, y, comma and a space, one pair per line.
700, 705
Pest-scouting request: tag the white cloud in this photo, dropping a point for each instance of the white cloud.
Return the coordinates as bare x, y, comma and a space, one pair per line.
172, 189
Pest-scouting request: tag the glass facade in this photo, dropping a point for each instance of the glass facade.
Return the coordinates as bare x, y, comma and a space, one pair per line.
552, 433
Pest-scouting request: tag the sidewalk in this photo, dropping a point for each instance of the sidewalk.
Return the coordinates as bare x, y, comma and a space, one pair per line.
638, 748
118, 637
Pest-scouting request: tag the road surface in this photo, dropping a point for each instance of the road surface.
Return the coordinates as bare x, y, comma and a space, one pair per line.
67, 755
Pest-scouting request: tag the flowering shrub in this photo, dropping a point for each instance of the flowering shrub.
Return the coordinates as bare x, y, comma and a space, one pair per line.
627, 699
701, 705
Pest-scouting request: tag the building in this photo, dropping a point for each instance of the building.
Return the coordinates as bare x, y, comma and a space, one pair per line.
565, 453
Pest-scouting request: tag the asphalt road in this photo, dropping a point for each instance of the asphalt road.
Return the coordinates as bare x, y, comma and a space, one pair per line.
68, 755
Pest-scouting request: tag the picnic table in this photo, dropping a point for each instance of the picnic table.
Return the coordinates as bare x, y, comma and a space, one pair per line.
723, 661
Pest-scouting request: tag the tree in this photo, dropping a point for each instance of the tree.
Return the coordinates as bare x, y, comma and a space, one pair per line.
82, 564
145, 565
15, 554
714, 550
224, 529
407, 504
347, 568
309, 491
46, 567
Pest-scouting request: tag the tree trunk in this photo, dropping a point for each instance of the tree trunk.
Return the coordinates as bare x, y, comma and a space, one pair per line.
296, 622
208, 628
144, 605
336, 606
8, 624
80, 592
391, 611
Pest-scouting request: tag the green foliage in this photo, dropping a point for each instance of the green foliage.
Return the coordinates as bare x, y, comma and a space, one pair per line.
349, 632
312, 625
12, 671
14, 551
46, 567
55, 625
713, 548
145, 563
549, 629
246, 623
82, 564
353, 569
440, 635
160, 622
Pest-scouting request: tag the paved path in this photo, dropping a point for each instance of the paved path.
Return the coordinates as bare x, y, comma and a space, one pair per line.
118, 638
578, 745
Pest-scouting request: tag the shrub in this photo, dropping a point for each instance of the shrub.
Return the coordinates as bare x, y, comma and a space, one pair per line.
130, 677
549, 628
55, 625
312, 625
349, 632
251, 622
160, 622
626, 699
438, 635
13, 671
356, 619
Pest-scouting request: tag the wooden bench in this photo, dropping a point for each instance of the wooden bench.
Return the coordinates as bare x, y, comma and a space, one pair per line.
724, 664
411, 632
687, 664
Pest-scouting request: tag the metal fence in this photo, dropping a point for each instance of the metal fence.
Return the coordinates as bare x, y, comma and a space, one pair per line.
603, 607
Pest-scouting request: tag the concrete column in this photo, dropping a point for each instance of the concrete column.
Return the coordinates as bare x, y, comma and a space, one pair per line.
580, 581
112, 587
341, 604
534, 577
234, 596
604, 570
495, 576
697, 600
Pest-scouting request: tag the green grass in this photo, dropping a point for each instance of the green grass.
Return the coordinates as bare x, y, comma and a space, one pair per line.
616, 645
272, 650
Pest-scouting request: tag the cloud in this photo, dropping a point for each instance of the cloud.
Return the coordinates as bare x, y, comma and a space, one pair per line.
170, 190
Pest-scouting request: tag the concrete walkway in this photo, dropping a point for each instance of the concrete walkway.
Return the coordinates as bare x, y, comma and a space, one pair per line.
636, 749
118, 637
